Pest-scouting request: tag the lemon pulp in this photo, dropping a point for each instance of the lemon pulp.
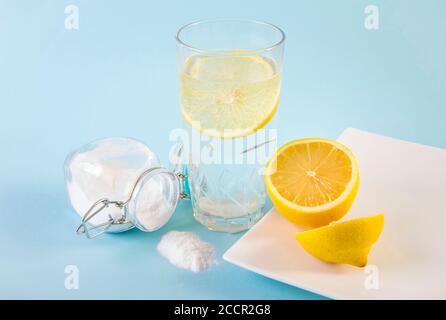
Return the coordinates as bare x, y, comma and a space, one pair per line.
312, 182
229, 96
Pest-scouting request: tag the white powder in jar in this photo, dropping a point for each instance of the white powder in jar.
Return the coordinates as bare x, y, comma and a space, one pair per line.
187, 251
153, 210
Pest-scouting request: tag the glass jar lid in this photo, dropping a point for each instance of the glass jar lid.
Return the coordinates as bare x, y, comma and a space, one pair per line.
154, 199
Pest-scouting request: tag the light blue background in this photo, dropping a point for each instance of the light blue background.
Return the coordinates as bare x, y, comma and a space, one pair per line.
117, 76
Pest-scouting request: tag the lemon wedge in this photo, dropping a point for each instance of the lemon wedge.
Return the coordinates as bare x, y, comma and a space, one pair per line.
346, 242
312, 182
229, 96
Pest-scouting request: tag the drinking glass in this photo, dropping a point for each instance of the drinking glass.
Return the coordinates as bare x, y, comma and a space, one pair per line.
230, 76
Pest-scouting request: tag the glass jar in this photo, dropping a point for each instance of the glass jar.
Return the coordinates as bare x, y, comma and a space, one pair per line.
116, 184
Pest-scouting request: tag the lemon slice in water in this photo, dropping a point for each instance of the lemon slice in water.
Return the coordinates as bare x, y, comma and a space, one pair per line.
229, 96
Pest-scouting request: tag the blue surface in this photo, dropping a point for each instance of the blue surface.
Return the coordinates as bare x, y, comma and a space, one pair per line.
117, 76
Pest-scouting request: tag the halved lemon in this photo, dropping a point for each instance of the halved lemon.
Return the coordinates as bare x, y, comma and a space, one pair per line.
346, 242
229, 96
312, 182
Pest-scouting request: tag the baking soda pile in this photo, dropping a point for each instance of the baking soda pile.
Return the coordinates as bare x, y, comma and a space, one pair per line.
187, 251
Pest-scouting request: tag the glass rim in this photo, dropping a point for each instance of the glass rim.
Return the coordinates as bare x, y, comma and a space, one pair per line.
203, 50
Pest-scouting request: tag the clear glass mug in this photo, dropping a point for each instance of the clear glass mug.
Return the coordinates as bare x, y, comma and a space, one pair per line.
230, 75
